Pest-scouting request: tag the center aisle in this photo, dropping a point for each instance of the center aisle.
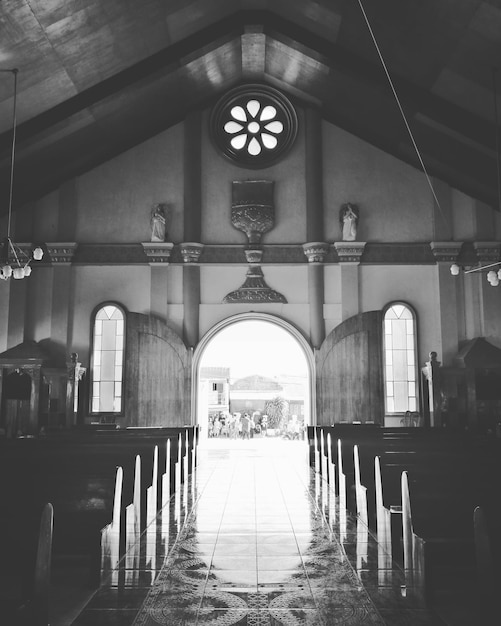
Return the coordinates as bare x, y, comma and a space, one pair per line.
256, 549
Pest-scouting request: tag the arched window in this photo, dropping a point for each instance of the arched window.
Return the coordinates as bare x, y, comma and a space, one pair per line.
107, 359
400, 359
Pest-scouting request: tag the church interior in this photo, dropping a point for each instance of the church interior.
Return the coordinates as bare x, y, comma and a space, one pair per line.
170, 169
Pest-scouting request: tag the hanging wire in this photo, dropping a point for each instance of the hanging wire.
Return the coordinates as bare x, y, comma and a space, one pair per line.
397, 99
496, 122
13, 148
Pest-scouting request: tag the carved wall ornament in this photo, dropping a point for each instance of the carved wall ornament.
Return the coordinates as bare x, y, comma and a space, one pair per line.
254, 289
252, 208
253, 255
348, 218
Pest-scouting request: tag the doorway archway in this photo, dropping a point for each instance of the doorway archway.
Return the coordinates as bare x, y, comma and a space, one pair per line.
255, 331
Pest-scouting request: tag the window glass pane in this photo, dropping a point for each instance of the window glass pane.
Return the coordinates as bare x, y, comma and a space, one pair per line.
412, 404
410, 326
118, 374
97, 358
95, 405
109, 310
387, 327
95, 390
117, 314
108, 366
118, 389
97, 373
120, 327
117, 405
109, 335
98, 328
389, 372
119, 342
399, 335
390, 405
411, 372
389, 357
398, 309
98, 342
388, 342
107, 396
412, 389
118, 358
401, 397
389, 389
410, 342
400, 365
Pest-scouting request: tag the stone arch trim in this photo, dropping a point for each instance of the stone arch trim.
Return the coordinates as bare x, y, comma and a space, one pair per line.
263, 317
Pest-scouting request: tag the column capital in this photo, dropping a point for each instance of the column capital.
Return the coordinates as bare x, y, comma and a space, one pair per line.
62, 251
350, 251
487, 251
316, 251
446, 251
158, 252
191, 251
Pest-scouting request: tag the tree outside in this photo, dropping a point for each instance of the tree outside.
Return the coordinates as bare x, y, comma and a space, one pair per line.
277, 410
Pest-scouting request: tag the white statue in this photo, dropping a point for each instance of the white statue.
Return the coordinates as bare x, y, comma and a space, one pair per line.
158, 222
348, 218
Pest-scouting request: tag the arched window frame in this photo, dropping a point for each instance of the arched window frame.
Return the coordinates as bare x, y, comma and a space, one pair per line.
93, 410
412, 405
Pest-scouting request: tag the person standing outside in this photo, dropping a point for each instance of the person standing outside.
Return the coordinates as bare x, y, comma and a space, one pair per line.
246, 422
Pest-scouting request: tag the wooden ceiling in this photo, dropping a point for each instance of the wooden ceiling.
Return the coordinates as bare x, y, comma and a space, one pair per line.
97, 77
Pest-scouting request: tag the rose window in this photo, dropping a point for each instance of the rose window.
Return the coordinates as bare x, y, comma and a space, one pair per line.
254, 125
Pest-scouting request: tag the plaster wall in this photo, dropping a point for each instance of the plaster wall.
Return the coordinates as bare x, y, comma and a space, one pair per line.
115, 199
394, 199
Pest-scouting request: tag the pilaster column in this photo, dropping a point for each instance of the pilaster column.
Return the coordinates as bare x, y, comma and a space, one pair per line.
349, 253
488, 252
192, 225
315, 224
158, 254
450, 307
61, 255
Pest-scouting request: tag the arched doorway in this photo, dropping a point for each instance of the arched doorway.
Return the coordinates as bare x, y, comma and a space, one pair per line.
253, 358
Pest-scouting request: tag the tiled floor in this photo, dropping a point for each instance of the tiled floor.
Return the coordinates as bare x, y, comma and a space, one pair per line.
255, 539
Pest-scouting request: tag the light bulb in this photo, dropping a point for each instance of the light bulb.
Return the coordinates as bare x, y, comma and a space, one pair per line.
27, 270
18, 272
7, 271
491, 276
454, 269
495, 282
38, 253
499, 274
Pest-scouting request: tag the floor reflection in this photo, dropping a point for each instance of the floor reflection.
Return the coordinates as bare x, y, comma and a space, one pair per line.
255, 538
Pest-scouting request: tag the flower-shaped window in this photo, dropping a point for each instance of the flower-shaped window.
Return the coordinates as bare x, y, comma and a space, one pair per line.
254, 125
